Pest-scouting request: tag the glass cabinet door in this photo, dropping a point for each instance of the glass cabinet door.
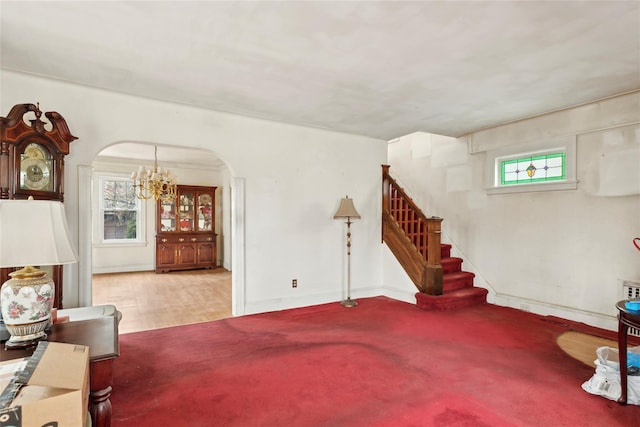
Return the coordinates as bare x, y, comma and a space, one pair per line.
205, 211
186, 211
168, 215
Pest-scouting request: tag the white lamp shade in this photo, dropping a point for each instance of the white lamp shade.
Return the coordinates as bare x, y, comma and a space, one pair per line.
34, 233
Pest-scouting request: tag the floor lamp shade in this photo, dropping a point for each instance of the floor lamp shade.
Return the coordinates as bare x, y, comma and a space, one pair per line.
348, 210
32, 233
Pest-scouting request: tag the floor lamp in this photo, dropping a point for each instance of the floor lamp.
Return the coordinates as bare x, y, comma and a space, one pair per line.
347, 210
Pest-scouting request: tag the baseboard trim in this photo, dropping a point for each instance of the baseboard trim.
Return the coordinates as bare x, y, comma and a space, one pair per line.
288, 302
400, 294
122, 269
599, 320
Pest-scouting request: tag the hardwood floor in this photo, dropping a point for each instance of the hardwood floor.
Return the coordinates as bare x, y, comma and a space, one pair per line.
150, 301
583, 346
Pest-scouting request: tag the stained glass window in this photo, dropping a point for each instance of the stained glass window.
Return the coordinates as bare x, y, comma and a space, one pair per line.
533, 169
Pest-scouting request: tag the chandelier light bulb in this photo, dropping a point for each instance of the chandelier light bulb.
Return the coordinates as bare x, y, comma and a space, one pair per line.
154, 182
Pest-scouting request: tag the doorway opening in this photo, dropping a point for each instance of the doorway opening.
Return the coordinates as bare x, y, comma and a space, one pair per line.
125, 277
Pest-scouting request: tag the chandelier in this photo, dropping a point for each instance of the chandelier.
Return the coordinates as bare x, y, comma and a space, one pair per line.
157, 182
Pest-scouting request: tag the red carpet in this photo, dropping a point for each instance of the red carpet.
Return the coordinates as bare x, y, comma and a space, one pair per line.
384, 363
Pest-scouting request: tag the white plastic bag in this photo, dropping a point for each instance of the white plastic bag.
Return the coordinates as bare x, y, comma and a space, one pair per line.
606, 380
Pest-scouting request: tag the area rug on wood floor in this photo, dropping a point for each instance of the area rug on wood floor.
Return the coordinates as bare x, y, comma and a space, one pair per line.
383, 363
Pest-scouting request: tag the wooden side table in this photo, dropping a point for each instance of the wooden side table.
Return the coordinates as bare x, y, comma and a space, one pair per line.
101, 336
626, 318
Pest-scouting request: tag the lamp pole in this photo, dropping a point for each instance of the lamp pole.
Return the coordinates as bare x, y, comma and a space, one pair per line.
349, 302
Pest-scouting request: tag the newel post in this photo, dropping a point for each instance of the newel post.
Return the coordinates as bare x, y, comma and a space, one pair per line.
433, 269
386, 200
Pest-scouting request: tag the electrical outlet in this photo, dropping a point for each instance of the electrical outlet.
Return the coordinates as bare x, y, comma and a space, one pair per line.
294, 283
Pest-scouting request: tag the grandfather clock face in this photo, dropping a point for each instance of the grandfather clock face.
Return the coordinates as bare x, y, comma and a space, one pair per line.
36, 168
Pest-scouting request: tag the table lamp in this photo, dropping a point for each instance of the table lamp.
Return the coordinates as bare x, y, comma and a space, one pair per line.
32, 233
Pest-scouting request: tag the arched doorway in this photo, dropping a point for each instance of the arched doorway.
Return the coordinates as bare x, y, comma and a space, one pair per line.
126, 156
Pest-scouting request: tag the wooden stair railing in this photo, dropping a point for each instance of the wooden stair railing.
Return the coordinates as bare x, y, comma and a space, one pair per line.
413, 238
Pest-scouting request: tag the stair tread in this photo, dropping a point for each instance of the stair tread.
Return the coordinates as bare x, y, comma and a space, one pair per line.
457, 275
451, 265
457, 280
450, 300
458, 293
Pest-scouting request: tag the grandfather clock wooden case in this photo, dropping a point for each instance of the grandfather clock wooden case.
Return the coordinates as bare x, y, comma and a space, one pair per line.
32, 164
185, 230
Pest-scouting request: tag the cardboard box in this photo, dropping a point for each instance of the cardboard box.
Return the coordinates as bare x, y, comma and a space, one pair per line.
51, 390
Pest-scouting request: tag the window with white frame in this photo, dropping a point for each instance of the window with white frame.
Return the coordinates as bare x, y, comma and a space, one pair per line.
542, 166
121, 217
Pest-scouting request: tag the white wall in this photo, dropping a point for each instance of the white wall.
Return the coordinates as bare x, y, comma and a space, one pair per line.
293, 180
561, 253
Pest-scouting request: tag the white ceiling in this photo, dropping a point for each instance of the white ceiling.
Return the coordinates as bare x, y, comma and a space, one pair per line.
382, 69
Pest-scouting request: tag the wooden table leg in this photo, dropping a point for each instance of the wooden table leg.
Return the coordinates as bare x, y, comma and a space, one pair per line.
101, 378
622, 352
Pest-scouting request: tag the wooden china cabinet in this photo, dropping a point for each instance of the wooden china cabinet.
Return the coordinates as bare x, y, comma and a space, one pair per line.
32, 164
185, 230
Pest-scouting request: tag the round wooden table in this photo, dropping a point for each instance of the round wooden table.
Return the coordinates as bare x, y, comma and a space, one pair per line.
626, 318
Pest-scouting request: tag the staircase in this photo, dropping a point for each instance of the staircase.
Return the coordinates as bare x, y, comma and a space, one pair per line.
409, 234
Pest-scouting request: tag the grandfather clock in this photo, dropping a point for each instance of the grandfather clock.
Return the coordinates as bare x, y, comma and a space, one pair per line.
32, 163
